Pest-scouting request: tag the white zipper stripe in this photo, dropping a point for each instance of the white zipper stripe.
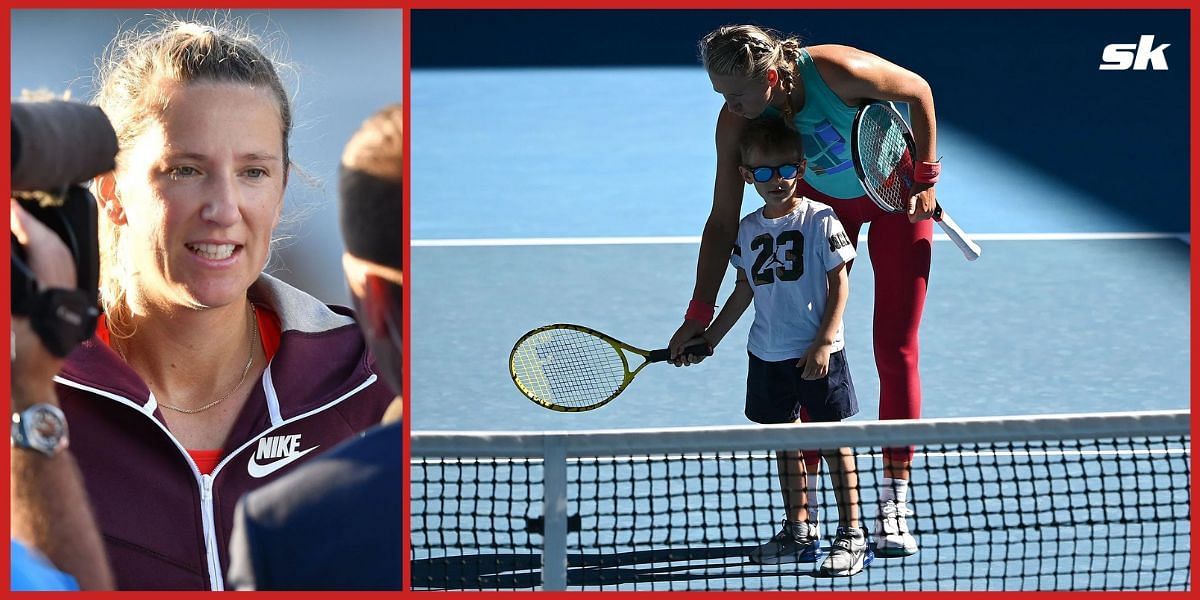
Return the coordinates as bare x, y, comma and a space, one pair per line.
123, 400
216, 577
272, 397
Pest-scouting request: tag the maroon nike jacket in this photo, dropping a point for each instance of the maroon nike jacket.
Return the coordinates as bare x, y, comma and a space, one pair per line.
166, 525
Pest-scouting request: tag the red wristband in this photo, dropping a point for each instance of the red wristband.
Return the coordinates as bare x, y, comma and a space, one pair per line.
927, 172
700, 311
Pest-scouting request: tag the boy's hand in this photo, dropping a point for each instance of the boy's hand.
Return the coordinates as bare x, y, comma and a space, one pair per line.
685, 359
815, 361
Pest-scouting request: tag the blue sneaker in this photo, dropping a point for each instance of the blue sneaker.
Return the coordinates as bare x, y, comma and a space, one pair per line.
849, 555
796, 542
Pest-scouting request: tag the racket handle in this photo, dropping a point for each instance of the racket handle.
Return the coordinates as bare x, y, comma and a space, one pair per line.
968, 246
665, 353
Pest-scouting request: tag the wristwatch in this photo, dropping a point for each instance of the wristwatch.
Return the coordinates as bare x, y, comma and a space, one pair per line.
41, 427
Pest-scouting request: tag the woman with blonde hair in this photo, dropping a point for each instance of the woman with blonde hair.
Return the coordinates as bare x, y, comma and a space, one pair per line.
207, 377
817, 90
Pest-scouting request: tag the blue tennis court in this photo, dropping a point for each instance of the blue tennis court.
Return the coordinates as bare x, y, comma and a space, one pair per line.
540, 218
576, 193
1032, 327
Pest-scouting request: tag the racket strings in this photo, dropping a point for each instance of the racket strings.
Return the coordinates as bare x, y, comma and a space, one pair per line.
888, 163
568, 368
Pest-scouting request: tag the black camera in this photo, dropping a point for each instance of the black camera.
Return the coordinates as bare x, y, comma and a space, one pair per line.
56, 145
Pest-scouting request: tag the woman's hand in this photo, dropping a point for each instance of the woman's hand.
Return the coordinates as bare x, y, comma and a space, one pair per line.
688, 334
693, 359
922, 203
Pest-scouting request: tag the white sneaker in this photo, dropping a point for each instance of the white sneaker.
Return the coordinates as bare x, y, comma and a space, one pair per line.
849, 555
892, 538
795, 542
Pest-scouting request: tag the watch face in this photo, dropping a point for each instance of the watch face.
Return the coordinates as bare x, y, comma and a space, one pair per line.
46, 425
45, 429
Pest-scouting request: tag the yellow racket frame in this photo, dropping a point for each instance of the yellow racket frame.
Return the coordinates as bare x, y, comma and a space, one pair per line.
618, 346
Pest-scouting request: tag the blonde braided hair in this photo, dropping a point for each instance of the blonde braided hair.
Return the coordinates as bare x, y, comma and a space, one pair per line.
750, 51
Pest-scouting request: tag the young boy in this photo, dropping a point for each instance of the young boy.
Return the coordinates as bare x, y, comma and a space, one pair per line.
791, 258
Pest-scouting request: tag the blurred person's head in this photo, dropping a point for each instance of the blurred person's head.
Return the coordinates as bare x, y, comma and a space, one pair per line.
371, 182
203, 122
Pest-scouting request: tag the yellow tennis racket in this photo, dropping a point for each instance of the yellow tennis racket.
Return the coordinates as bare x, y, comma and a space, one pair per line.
570, 368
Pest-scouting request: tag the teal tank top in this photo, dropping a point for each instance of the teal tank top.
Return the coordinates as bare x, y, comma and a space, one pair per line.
824, 124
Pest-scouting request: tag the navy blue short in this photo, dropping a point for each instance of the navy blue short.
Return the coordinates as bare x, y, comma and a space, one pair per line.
775, 392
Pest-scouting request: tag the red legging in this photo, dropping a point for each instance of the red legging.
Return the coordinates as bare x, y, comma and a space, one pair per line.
900, 254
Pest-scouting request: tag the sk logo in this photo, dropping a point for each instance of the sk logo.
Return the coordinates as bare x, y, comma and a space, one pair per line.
1123, 57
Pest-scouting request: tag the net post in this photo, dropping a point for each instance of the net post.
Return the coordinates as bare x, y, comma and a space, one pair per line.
554, 479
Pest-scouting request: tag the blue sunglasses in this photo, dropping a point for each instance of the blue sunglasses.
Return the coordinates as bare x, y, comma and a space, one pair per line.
765, 174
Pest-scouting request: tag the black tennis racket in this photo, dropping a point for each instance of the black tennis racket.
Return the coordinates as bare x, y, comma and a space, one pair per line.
883, 146
570, 368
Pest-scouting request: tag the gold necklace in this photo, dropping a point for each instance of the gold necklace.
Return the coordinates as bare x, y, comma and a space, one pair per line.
245, 371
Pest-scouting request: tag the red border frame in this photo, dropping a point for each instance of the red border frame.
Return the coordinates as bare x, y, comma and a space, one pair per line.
6, 38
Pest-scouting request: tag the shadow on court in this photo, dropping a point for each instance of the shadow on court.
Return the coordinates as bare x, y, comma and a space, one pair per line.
523, 571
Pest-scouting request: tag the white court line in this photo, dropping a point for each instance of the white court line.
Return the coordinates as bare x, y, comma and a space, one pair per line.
695, 239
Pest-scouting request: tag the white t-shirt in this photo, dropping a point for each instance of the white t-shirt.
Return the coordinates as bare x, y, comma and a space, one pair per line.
786, 261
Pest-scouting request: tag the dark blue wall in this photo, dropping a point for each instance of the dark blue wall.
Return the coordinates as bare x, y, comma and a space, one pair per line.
1026, 81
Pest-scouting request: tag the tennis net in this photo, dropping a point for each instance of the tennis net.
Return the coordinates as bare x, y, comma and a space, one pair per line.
1057, 502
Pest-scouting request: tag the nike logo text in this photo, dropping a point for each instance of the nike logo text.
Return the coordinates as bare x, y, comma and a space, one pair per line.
280, 449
